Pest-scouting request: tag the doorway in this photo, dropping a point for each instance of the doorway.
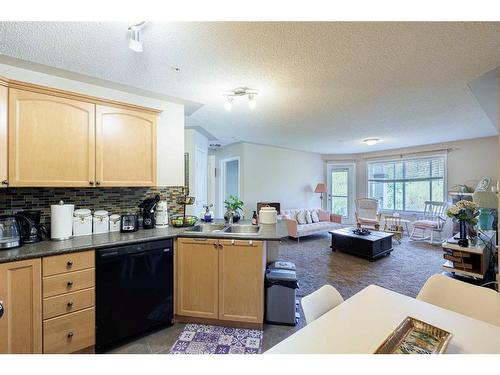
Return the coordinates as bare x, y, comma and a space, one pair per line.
229, 182
341, 190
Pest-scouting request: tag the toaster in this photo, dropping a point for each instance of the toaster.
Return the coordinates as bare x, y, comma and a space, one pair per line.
129, 223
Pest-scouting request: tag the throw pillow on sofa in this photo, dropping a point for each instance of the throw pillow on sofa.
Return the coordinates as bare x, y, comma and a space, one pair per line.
308, 217
314, 216
301, 217
324, 216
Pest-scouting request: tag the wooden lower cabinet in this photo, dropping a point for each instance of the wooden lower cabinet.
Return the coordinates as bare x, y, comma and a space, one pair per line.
69, 333
241, 281
69, 302
220, 279
197, 278
21, 298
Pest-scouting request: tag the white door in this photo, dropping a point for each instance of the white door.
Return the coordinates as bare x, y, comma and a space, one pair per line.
200, 180
341, 191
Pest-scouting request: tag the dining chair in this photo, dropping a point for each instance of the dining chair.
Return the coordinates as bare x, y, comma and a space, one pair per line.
319, 302
475, 301
433, 221
367, 214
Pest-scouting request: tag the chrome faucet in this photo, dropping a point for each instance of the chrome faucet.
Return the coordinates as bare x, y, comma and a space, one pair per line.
231, 216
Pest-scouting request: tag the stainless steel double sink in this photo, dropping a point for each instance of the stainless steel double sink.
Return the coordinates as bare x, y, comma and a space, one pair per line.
235, 229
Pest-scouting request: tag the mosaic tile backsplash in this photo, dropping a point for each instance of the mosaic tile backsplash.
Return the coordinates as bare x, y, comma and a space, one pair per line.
113, 200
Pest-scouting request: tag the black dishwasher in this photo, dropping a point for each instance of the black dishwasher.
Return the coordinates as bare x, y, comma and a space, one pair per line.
134, 290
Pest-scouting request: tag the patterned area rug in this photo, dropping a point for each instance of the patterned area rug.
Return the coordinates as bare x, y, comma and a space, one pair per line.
207, 339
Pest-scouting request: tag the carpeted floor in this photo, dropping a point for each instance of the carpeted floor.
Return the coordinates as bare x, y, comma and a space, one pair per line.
404, 271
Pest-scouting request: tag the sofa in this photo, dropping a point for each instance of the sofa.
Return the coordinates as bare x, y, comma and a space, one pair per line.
327, 221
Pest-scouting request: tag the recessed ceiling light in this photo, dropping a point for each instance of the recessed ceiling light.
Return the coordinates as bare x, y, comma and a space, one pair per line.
135, 43
371, 141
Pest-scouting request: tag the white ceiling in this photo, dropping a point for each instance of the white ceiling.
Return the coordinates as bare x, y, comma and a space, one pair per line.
324, 86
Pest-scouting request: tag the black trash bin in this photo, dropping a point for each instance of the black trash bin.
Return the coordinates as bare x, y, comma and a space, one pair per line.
281, 285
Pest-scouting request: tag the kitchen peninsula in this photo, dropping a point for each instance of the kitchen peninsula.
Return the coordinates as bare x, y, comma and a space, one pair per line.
218, 276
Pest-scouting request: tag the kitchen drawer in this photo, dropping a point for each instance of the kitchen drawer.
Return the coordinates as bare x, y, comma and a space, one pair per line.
68, 303
69, 333
68, 282
68, 262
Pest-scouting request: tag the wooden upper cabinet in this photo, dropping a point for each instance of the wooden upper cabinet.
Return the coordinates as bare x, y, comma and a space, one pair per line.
3, 136
21, 297
241, 279
126, 147
51, 140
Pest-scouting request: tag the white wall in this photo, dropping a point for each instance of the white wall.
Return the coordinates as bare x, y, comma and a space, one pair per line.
275, 174
170, 125
192, 141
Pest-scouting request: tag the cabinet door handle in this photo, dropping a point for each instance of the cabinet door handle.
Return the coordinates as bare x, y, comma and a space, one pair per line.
70, 304
70, 335
69, 264
98, 183
91, 183
69, 284
220, 246
216, 245
2, 310
5, 182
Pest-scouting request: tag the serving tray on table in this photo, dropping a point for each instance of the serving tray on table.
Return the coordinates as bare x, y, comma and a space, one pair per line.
413, 336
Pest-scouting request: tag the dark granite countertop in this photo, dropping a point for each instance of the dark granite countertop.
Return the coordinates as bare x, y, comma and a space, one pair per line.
96, 241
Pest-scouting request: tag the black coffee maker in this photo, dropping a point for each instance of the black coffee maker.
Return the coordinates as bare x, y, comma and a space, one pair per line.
31, 229
148, 212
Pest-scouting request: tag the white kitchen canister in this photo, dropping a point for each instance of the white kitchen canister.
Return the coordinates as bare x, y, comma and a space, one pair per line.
60, 221
101, 221
268, 215
114, 223
82, 222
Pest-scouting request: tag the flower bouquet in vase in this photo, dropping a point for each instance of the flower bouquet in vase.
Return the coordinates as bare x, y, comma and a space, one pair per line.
465, 213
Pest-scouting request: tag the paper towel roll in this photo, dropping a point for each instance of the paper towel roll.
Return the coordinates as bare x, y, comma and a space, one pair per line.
61, 221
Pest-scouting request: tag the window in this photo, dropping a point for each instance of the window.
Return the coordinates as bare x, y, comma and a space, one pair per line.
340, 197
404, 185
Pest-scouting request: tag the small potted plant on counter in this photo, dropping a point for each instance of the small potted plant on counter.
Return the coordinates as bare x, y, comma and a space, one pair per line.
233, 206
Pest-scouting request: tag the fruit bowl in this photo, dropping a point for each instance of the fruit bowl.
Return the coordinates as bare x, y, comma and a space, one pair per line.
181, 221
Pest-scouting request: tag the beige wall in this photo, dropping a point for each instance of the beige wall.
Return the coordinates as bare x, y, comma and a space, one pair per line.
467, 161
274, 174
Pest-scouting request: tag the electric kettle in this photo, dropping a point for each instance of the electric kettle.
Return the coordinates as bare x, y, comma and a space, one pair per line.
10, 231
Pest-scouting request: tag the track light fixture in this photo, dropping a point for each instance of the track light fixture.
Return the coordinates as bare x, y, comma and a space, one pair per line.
135, 43
241, 91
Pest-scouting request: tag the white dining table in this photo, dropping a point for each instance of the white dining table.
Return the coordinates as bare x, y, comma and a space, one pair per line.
361, 323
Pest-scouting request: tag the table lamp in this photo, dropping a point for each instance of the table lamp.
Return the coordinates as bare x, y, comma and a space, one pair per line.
320, 188
487, 201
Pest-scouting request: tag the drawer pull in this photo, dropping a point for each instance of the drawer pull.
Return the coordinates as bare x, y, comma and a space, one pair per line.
69, 264
70, 304
70, 335
69, 284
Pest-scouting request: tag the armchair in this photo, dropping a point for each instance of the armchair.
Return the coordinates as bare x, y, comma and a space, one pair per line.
367, 214
433, 221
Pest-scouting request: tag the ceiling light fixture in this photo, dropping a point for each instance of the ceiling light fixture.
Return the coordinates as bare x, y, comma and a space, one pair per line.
135, 43
371, 141
241, 91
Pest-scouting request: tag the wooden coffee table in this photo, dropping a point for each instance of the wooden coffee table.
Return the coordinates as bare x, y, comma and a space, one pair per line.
371, 247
